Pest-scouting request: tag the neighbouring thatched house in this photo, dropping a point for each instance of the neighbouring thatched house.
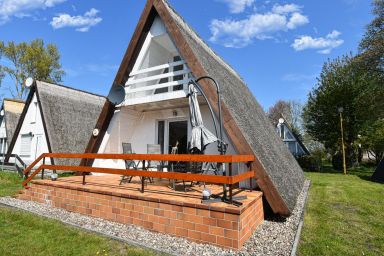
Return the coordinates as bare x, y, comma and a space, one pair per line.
290, 139
9, 116
163, 55
55, 118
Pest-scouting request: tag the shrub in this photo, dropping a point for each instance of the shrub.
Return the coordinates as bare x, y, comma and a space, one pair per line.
310, 163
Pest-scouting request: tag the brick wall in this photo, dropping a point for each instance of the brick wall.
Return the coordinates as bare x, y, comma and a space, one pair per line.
229, 229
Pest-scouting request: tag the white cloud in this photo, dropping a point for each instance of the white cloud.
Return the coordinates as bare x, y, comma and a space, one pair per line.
240, 33
294, 77
296, 20
324, 45
82, 23
287, 8
23, 8
237, 6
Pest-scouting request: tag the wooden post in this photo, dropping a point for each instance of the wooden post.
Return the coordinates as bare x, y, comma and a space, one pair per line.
230, 185
249, 165
143, 178
84, 178
42, 171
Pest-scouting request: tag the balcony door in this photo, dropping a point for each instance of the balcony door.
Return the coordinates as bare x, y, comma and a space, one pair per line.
171, 133
178, 135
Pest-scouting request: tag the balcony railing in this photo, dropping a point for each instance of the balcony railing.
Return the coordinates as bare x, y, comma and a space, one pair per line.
161, 82
229, 179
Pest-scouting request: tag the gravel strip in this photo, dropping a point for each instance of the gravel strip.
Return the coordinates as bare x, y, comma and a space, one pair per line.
273, 237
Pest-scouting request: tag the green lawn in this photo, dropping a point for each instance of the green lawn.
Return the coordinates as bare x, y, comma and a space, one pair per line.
344, 215
22, 233
10, 183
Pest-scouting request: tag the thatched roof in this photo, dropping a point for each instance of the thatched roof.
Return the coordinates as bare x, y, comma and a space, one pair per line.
277, 173
278, 162
12, 111
68, 115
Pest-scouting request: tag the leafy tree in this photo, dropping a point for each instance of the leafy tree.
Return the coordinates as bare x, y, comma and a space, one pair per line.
372, 140
372, 45
370, 60
339, 85
355, 83
30, 60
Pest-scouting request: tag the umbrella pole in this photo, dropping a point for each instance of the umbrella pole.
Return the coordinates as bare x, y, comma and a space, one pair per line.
221, 145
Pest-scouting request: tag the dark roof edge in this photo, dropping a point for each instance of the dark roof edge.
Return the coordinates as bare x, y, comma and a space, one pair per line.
19, 123
14, 100
208, 48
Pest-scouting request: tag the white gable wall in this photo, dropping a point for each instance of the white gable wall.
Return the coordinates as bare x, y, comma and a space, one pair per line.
290, 140
3, 136
32, 126
158, 49
140, 129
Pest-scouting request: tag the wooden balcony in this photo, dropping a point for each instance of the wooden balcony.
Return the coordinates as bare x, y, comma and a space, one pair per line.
158, 83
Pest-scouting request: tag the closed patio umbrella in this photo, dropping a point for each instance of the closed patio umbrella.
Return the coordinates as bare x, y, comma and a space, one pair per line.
200, 135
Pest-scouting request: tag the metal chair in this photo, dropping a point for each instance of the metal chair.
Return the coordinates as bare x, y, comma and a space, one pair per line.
176, 166
127, 149
153, 149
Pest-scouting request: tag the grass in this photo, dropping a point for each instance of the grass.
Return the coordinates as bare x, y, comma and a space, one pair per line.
23, 233
27, 234
10, 183
344, 215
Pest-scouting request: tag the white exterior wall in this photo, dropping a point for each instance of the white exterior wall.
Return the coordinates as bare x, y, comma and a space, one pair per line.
3, 137
32, 123
140, 129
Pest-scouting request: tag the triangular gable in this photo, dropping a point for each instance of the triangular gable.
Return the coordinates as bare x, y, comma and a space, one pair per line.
31, 139
287, 135
277, 172
67, 116
11, 110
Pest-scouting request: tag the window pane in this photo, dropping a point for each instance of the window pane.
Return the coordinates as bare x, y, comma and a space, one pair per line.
160, 135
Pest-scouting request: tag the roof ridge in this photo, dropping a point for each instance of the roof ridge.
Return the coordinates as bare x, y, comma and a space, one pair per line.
71, 88
206, 46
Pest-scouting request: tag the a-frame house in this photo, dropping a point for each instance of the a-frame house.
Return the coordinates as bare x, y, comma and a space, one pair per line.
55, 118
9, 116
290, 139
164, 53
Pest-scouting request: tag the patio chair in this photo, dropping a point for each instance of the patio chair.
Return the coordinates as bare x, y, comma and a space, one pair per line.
175, 166
153, 149
129, 164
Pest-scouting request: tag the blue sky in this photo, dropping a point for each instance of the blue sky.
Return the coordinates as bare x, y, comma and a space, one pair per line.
278, 47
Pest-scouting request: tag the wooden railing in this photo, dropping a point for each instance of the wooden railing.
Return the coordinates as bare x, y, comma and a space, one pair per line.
18, 164
229, 179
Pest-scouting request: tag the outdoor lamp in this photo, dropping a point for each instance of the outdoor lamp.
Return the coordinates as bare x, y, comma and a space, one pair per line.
340, 109
54, 176
206, 194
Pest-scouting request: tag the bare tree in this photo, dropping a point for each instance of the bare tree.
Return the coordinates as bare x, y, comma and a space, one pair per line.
289, 110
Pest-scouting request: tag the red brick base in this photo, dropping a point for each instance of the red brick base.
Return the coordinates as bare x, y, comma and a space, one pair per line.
225, 228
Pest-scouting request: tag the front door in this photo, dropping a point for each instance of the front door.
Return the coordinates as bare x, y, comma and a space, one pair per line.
178, 135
